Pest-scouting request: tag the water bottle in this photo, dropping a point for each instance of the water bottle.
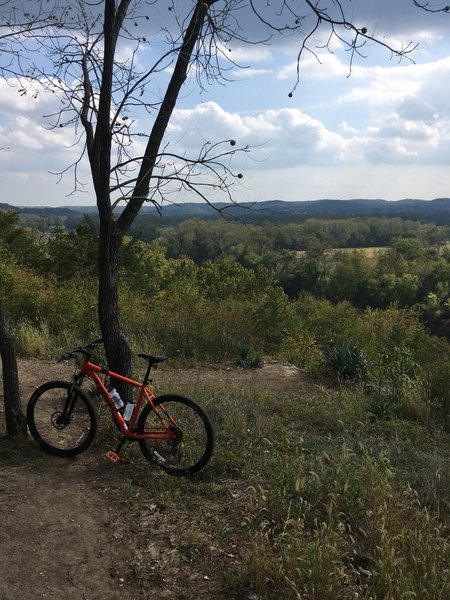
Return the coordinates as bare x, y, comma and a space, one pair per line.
128, 412
118, 402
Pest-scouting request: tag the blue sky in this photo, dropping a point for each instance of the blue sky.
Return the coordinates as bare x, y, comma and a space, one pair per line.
382, 132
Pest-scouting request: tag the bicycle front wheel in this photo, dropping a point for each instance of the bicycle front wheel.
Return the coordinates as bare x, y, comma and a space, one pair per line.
193, 441
62, 418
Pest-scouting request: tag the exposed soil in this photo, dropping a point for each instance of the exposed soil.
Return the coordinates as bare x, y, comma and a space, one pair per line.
64, 534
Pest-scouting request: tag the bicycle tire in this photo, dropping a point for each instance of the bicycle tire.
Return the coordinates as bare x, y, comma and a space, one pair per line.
194, 445
55, 434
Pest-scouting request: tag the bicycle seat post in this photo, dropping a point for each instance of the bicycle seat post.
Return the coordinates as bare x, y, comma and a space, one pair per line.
147, 379
153, 361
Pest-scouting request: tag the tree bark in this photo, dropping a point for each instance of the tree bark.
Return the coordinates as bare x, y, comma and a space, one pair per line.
16, 422
117, 347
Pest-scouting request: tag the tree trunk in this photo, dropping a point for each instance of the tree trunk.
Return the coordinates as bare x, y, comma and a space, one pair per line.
16, 421
117, 347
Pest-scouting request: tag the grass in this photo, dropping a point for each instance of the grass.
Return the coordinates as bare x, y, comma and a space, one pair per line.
308, 496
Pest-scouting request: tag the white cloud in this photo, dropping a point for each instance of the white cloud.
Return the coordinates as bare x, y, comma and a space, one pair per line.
391, 86
414, 131
21, 120
126, 54
278, 137
407, 113
288, 146
248, 73
12, 99
251, 54
20, 138
291, 139
323, 65
31, 151
206, 120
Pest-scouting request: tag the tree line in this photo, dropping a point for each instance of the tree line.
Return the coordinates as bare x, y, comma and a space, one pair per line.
372, 262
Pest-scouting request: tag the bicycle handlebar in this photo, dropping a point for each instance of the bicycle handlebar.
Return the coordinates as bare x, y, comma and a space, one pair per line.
81, 350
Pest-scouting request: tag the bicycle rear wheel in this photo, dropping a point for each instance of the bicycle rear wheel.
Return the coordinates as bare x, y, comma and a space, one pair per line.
193, 443
62, 418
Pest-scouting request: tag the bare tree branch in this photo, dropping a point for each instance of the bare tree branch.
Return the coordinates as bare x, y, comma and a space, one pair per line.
430, 8
352, 37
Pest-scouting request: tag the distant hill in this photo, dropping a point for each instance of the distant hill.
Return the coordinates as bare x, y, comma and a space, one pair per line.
435, 211
47, 216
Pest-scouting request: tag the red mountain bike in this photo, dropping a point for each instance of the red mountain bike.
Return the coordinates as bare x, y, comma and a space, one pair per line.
172, 431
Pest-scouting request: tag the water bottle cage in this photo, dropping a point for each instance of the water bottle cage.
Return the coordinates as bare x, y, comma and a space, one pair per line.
128, 411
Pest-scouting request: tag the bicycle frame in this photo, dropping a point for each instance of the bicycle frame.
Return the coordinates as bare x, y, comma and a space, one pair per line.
92, 371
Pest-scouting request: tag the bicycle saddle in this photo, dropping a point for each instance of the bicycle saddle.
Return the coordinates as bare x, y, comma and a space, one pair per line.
153, 360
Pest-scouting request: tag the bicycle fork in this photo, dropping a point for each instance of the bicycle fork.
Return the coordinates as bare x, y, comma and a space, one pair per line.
63, 419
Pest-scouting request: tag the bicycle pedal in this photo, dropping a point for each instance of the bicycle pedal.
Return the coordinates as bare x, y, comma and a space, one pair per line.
112, 456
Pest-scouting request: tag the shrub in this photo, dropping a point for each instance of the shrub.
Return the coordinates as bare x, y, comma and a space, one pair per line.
248, 358
302, 349
344, 361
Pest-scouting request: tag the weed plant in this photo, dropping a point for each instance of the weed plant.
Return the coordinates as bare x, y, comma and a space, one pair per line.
343, 361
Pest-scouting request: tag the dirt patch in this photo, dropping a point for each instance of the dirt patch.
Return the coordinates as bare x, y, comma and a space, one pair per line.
272, 375
66, 536
57, 532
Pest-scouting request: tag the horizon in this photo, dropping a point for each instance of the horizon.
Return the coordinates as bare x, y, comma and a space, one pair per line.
237, 204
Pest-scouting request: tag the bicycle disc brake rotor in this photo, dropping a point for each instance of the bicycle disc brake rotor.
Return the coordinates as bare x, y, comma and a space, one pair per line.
59, 421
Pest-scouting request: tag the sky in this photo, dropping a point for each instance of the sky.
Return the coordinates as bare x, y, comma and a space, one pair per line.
378, 130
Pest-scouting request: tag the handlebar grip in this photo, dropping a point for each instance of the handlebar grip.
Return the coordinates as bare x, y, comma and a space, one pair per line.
93, 344
81, 350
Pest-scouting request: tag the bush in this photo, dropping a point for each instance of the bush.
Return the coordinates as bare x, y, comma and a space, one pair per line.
248, 358
302, 349
344, 361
